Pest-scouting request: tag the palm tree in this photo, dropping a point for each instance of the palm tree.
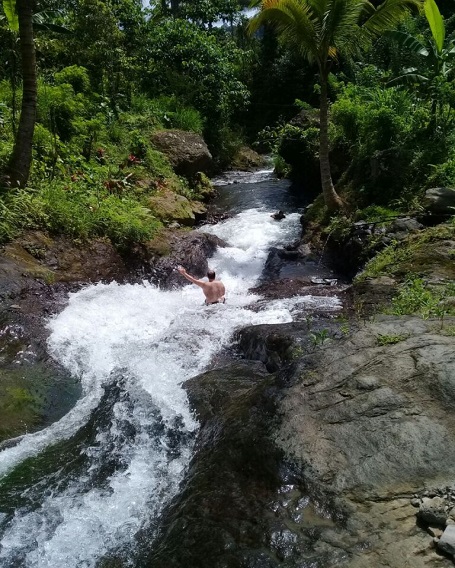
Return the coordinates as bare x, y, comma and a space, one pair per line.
20, 14
21, 18
320, 30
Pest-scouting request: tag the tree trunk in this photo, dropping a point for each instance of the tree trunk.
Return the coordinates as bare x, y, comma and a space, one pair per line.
331, 198
21, 159
175, 5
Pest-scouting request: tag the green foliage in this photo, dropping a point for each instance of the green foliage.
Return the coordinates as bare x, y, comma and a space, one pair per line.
431, 76
9, 7
415, 297
391, 339
373, 119
389, 140
173, 114
125, 221
374, 213
443, 175
81, 211
17, 208
61, 110
299, 148
435, 22
186, 62
319, 337
75, 76
339, 227
401, 258
449, 330
385, 261
207, 12
281, 167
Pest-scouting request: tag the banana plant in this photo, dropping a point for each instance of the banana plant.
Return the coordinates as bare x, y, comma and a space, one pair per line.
437, 57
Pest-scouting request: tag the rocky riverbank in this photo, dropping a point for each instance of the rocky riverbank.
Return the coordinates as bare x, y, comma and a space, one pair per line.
325, 442
341, 455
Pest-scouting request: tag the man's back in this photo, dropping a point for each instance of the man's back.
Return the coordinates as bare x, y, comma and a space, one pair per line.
213, 291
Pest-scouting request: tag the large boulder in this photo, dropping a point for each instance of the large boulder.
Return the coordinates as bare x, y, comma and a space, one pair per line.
187, 151
35, 257
158, 258
248, 160
440, 201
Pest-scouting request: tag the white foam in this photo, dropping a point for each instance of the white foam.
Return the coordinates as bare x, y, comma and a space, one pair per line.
159, 338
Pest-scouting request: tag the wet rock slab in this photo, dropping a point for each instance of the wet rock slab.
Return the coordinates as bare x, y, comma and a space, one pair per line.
328, 461
371, 424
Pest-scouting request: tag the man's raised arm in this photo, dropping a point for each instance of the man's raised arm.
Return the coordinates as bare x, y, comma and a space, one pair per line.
184, 273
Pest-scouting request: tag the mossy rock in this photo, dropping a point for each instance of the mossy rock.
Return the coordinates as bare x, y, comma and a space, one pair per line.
203, 187
159, 246
186, 151
247, 159
428, 254
33, 396
28, 264
169, 206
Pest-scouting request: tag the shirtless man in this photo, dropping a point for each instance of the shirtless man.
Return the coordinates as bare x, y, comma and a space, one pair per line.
213, 289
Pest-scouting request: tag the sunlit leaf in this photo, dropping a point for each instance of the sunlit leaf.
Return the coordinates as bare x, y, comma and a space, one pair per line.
436, 23
9, 7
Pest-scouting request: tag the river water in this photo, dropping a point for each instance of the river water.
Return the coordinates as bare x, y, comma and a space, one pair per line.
83, 487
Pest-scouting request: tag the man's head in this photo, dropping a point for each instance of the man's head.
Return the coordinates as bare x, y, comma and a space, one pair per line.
211, 275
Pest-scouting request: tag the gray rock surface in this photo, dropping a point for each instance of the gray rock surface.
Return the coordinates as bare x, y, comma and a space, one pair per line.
440, 201
370, 425
447, 541
366, 432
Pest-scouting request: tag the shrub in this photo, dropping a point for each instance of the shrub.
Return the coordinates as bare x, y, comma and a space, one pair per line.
125, 221
17, 211
414, 297
443, 175
383, 131
86, 210
187, 119
375, 213
58, 107
299, 148
75, 76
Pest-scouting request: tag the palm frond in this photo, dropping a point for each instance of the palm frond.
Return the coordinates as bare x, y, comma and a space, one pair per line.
410, 78
295, 22
387, 15
407, 41
340, 25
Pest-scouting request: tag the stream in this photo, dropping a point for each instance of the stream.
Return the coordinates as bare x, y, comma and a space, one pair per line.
86, 485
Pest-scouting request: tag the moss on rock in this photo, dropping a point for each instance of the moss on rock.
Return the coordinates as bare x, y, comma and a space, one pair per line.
169, 206
427, 254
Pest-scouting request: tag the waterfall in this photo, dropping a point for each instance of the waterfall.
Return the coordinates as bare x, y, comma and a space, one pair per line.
84, 487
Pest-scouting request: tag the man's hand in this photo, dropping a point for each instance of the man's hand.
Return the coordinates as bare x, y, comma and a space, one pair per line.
181, 270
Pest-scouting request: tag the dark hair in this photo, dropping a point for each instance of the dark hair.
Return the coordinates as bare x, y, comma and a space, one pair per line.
211, 275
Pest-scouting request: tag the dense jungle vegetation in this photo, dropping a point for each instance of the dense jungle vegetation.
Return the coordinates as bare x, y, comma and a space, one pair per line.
364, 90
